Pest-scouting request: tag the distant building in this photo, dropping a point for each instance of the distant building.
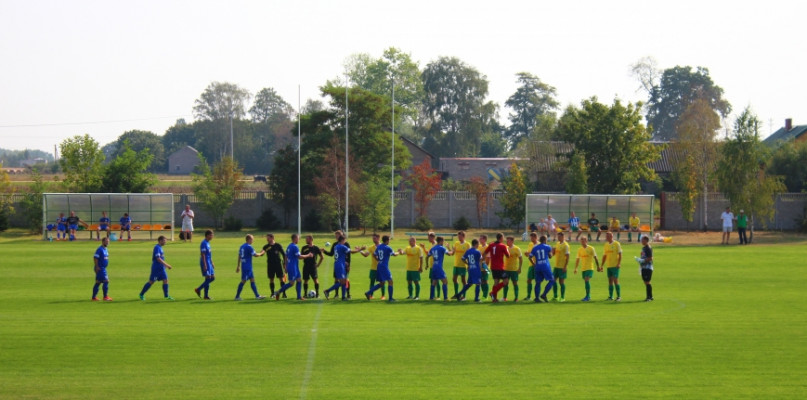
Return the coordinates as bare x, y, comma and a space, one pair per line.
183, 161
787, 133
418, 153
462, 169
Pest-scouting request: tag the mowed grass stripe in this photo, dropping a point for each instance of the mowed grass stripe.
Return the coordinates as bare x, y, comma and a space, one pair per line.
727, 322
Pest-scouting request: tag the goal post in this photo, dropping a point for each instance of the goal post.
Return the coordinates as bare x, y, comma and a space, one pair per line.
150, 212
605, 206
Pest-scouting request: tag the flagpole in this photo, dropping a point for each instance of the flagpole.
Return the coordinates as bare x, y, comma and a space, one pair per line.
299, 150
347, 175
392, 169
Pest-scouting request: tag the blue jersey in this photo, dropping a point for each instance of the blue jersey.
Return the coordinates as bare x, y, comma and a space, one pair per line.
541, 254
474, 258
102, 255
125, 222
104, 221
292, 260
382, 254
156, 256
574, 222
245, 253
340, 252
437, 253
206, 259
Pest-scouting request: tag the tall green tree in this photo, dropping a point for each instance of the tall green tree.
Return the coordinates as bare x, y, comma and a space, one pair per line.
283, 182
790, 162
6, 190
615, 143
220, 104
144, 141
531, 100
216, 188
82, 162
31, 204
179, 135
128, 172
741, 174
577, 174
376, 210
454, 103
513, 200
692, 171
426, 183
677, 89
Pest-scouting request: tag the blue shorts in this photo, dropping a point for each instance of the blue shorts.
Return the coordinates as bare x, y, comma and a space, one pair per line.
383, 274
437, 273
338, 272
158, 274
246, 274
102, 275
73, 227
126, 228
206, 273
474, 276
103, 227
293, 274
543, 272
61, 228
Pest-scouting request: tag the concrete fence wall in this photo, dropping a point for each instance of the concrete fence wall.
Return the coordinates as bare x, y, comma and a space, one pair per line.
788, 211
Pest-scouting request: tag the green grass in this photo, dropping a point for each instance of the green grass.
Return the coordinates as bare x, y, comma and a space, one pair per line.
728, 322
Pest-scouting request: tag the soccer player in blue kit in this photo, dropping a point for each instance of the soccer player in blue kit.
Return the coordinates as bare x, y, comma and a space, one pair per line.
245, 254
206, 265
340, 252
292, 266
158, 273
541, 254
473, 258
382, 253
125, 225
437, 252
101, 260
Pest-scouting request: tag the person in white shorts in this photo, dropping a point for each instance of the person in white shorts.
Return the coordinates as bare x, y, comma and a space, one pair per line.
728, 220
187, 222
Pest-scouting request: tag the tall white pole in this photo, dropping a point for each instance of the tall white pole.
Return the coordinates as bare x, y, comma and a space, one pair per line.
299, 150
392, 169
232, 150
347, 177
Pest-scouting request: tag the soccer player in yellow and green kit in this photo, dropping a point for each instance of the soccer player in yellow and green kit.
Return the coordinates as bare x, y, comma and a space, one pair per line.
460, 267
633, 223
612, 259
531, 269
513, 266
414, 266
482, 246
561, 255
586, 257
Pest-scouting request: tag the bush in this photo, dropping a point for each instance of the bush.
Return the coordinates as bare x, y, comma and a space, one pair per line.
422, 224
3, 219
232, 224
802, 222
267, 220
462, 224
312, 221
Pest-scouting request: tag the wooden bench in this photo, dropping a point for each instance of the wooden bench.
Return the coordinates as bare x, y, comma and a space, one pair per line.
446, 236
115, 228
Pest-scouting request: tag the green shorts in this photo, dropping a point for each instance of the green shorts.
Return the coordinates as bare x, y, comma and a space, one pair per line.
613, 272
531, 273
559, 273
373, 275
460, 271
413, 276
595, 228
512, 275
588, 274
485, 273
575, 229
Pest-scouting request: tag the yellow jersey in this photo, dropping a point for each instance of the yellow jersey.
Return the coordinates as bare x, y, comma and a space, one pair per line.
611, 254
561, 255
482, 248
634, 222
413, 257
373, 260
512, 262
427, 247
459, 251
586, 255
614, 225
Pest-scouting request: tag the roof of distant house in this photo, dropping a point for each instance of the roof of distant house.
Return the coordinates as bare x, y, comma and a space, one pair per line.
785, 135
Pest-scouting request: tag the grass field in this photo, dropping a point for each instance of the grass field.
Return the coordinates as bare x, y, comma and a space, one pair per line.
728, 322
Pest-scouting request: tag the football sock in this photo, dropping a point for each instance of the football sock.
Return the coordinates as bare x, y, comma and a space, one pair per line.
284, 287
165, 289
515, 292
316, 287
555, 290
382, 289
445, 291
254, 288
563, 290
588, 289
431, 291
549, 285
611, 291
618, 291
485, 289
106, 288
390, 291
344, 291
305, 287
347, 287
272, 286
376, 287
95, 290
298, 287
146, 288
409, 287
464, 289
417, 289
529, 289
537, 290
456, 288
334, 287
476, 293
629, 237
649, 289
506, 290
240, 287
